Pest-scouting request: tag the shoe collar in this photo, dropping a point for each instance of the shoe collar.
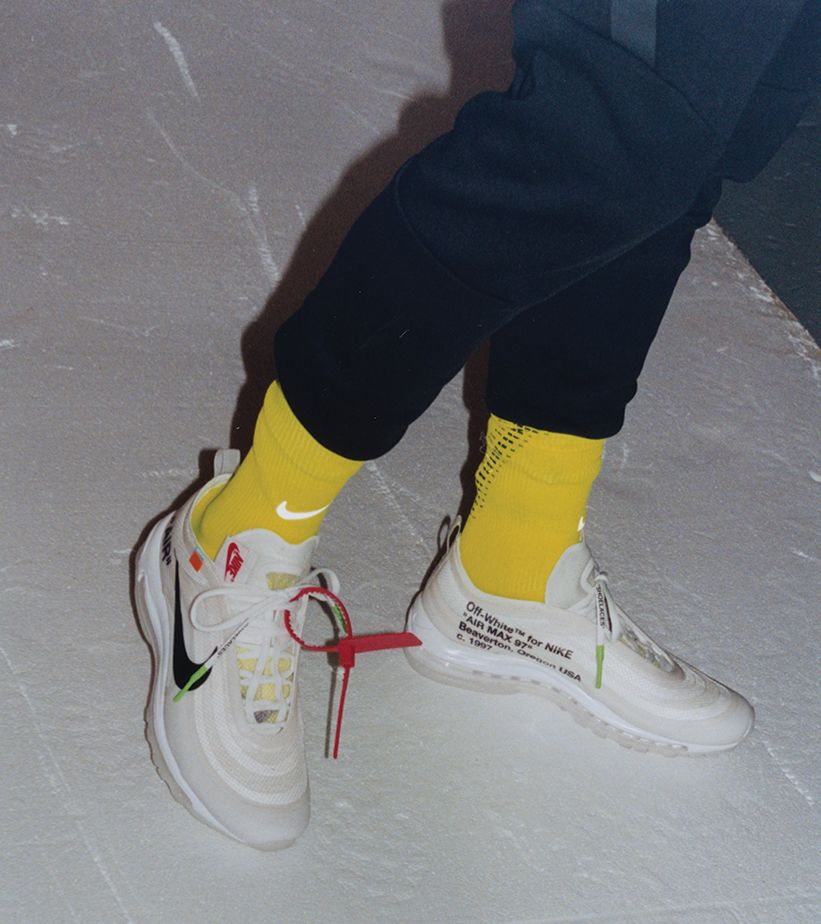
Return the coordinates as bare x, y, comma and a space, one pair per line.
256, 557
571, 583
571, 580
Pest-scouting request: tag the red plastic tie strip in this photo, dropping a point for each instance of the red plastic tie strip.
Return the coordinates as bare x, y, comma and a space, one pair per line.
347, 648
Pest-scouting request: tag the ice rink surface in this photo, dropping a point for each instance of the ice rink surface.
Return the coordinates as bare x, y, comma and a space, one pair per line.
165, 168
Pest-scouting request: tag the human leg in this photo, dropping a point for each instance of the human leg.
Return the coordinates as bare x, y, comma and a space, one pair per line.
571, 365
561, 374
567, 368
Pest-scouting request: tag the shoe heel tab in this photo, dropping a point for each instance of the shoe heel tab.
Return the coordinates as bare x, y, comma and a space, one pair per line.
226, 461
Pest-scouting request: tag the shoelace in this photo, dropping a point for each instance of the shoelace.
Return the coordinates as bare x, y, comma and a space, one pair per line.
610, 620
261, 613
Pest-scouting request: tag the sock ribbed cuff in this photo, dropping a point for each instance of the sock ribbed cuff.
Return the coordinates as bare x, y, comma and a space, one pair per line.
280, 434
531, 493
285, 484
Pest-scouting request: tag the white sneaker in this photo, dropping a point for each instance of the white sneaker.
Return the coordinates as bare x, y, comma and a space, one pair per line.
222, 717
580, 649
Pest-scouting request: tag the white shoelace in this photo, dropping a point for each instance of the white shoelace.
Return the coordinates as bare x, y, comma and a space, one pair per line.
268, 643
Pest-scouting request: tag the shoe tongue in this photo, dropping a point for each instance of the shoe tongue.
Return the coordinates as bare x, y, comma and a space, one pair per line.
260, 558
567, 584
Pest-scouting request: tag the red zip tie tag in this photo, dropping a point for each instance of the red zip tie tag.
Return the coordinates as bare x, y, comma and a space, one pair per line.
348, 647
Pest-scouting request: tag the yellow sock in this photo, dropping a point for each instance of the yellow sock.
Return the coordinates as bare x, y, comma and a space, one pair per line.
531, 493
285, 483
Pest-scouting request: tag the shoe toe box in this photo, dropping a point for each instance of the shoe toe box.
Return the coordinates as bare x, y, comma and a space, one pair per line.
711, 717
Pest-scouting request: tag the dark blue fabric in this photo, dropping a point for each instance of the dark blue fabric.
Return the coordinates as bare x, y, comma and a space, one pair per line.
554, 218
633, 25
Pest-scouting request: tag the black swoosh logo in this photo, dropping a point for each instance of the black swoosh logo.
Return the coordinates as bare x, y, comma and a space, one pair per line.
184, 667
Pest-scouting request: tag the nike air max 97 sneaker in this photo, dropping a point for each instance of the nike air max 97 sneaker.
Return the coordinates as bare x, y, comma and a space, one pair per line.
578, 648
223, 717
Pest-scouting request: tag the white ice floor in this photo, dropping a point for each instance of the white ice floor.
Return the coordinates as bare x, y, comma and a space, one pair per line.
165, 167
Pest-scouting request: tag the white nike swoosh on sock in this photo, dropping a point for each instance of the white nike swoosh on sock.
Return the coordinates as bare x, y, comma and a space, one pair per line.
286, 514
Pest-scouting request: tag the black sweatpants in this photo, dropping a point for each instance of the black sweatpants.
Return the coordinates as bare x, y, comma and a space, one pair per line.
555, 218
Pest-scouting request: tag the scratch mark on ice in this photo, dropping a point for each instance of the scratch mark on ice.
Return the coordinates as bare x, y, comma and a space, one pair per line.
169, 473
59, 784
249, 212
261, 237
397, 93
625, 455
762, 293
712, 231
799, 553
136, 331
43, 219
387, 492
363, 120
179, 58
797, 784
805, 347
301, 214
